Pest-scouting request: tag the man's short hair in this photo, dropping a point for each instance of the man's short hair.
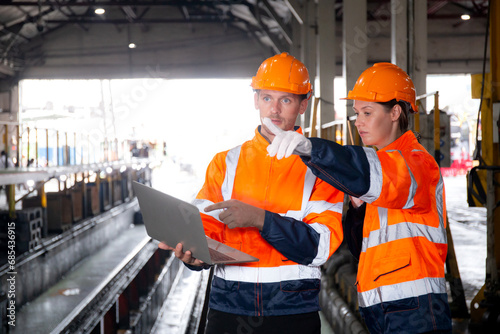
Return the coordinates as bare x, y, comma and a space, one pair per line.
301, 96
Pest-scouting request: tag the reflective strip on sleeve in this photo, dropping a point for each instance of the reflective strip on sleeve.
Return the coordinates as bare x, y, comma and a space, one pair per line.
322, 206
440, 201
413, 187
375, 176
403, 290
323, 245
315, 207
376, 179
267, 274
231, 164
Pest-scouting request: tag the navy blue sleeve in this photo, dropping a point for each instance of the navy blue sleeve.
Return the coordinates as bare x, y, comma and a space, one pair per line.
296, 240
197, 268
344, 167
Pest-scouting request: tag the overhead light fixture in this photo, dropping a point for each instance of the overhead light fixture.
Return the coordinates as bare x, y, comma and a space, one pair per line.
465, 17
132, 46
99, 11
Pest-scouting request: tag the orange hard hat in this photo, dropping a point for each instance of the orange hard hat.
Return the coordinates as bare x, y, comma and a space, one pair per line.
384, 82
284, 73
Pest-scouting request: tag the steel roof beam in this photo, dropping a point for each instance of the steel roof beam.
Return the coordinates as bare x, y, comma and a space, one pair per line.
193, 19
276, 45
284, 30
114, 3
293, 6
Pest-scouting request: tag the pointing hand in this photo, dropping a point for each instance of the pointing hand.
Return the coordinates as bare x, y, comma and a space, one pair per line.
286, 143
238, 214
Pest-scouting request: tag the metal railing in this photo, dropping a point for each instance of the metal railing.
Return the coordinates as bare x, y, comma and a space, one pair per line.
41, 147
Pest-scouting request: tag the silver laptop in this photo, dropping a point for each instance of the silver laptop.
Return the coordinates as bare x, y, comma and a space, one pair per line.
171, 220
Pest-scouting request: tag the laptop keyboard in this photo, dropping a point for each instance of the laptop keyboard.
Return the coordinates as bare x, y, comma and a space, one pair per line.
217, 256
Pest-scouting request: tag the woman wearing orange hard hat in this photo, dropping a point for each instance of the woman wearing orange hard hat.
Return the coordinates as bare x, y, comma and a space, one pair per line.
397, 207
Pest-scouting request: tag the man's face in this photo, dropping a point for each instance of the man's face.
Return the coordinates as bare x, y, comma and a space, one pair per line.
281, 107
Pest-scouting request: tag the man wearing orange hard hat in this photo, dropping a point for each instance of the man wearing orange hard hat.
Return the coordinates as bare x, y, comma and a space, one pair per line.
397, 213
275, 210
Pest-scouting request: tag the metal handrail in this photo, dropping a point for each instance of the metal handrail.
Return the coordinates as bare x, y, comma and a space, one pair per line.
81, 144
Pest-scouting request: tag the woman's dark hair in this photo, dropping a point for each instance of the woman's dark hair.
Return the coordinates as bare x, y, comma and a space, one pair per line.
403, 118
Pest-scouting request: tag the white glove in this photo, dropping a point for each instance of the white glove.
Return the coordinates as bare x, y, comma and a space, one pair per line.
286, 143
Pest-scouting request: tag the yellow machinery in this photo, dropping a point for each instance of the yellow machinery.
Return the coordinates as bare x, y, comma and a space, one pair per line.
484, 180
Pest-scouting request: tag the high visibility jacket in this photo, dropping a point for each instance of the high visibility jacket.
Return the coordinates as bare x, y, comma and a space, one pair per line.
302, 228
401, 284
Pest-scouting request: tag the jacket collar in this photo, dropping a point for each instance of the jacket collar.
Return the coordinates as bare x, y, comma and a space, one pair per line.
407, 139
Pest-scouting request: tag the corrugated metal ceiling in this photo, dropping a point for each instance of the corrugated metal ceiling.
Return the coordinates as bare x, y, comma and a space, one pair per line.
269, 21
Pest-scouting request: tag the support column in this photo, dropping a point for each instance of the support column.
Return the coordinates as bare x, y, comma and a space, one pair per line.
484, 307
9, 103
326, 72
296, 47
299, 36
354, 49
418, 72
409, 41
309, 55
399, 34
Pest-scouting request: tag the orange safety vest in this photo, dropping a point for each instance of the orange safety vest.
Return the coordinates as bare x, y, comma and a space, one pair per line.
275, 285
404, 235
401, 284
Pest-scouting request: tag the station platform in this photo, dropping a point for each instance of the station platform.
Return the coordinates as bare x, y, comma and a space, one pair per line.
50, 312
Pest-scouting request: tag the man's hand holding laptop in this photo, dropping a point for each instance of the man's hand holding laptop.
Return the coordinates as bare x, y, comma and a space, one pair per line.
235, 214
186, 257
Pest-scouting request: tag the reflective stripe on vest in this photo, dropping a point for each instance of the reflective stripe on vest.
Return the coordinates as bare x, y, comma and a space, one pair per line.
231, 164
309, 181
323, 231
403, 290
401, 231
387, 233
267, 274
201, 204
311, 207
307, 207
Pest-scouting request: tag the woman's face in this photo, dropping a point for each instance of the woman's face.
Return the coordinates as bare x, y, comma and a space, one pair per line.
376, 126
